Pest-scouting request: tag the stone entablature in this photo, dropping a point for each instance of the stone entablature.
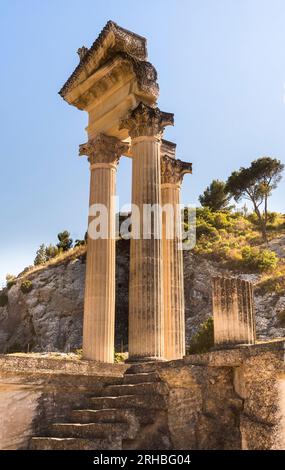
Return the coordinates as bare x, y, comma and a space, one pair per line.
111, 40
113, 76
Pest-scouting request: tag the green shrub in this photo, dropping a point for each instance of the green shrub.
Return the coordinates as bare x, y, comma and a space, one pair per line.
10, 280
205, 229
119, 357
203, 340
275, 284
79, 352
259, 260
79, 243
222, 220
3, 299
252, 218
26, 286
272, 217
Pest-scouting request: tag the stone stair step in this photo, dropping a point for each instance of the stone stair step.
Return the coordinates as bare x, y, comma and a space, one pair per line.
140, 368
140, 378
136, 389
90, 430
112, 415
55, 443
147, 401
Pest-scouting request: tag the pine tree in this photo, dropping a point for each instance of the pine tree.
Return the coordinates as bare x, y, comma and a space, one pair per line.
65, 242
51, 251
215, 196
41, 257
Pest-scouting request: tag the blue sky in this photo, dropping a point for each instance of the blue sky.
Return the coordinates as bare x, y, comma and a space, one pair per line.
221, 67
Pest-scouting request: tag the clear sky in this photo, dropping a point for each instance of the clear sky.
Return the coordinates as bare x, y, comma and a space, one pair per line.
221, 66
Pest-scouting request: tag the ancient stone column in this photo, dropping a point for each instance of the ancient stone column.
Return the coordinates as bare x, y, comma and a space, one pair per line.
233, 311
99, 302
172, 172
146, 318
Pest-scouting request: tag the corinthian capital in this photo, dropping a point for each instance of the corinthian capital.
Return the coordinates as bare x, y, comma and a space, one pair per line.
172, 170
103, 149
147, 121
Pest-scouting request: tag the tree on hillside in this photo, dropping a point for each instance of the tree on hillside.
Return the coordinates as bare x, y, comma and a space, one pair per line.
51, 251
79, 242
215, 196
65, 242
256, 184
41, 257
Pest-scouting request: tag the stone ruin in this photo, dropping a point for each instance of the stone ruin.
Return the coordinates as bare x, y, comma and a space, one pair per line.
118, 88
230, 398
233, 312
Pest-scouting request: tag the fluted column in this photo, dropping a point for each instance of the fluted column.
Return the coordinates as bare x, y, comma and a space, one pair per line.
233, 311
146, 319
99, 302
172, 172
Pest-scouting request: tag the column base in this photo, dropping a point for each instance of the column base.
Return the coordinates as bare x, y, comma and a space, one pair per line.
86, 357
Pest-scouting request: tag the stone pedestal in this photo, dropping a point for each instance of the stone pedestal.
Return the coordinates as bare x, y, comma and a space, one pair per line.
99, 304
146, 318
172, 172
233, 312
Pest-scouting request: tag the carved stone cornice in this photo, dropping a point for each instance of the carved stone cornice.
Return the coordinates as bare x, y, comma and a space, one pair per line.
172, 170
103, 149
122, 65
82, 51
112, 40
147, 121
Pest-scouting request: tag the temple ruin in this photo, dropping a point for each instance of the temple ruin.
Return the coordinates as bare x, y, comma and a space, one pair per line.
118, 88
229, 398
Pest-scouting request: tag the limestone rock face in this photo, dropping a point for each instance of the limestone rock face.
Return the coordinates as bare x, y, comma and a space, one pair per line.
278, 246
49, 318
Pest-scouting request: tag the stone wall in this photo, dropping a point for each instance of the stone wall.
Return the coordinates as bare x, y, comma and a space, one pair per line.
49, 318
202, 408
242, 399
228, 399
35, 392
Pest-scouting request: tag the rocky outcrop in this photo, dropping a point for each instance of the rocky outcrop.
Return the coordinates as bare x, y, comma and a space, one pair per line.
49, 317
